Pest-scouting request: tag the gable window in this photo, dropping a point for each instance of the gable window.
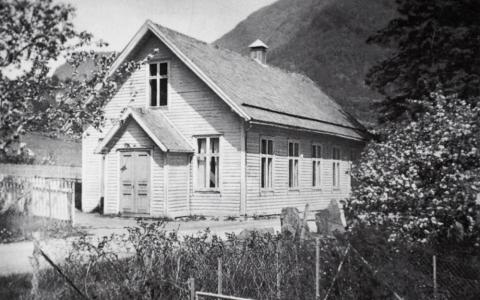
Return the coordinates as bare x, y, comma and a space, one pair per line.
266, 157
158, 84
208, 156
293, 155
316, 165
336, 167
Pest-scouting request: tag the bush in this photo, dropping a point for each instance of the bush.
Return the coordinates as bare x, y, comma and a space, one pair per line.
421, 178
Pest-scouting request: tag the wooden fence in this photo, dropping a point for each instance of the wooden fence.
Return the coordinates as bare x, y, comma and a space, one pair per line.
37, 196
53, 198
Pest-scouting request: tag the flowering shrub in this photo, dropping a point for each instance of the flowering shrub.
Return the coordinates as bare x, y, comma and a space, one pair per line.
422, 178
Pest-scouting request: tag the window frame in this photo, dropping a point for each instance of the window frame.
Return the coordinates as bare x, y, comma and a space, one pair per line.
317, 166
267, 157
291, 185
208, 155
336, 178
157, 78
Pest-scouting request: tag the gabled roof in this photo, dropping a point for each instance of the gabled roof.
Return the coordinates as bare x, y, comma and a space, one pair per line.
256, 92
155, 124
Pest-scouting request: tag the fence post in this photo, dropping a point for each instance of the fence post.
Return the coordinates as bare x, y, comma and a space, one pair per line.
435, 287
277, 255
304, 223
219, 275
49, 186
71, 186
34, 261
317, 268
191, 285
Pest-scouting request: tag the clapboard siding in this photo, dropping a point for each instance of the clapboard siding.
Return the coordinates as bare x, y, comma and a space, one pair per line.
91, 170
135, 137
272, 201
178, 180
195, 110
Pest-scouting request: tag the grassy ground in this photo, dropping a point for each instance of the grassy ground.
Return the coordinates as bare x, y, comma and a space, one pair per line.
15, 227
15, 286
61, 151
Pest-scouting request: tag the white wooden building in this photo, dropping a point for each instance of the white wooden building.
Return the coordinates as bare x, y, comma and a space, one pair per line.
203, 130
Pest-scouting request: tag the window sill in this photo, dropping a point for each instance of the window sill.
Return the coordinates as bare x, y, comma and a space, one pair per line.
207, 191
266, 191
294, 190
158, 107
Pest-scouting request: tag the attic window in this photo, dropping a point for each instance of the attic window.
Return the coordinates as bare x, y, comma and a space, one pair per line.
158, 83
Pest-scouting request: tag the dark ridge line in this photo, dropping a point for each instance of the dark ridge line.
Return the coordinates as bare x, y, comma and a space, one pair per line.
300, 117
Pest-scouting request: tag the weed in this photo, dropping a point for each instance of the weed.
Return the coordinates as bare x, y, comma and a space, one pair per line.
231, 218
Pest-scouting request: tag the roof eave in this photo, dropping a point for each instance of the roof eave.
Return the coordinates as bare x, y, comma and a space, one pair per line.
110, 135
364, 137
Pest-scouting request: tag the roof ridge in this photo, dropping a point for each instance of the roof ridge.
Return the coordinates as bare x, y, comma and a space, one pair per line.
220, 48
181, 33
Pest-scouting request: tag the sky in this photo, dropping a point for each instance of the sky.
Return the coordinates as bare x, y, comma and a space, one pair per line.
116, 21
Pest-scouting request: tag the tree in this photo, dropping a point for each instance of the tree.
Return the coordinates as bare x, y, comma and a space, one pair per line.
33, 33
421, 179
435, 44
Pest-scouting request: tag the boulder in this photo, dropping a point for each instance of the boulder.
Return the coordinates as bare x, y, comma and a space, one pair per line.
322, 220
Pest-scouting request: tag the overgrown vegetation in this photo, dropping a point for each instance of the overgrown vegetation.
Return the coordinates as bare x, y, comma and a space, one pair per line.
151, 263
16, 226
434, 45
160, 263
421, 179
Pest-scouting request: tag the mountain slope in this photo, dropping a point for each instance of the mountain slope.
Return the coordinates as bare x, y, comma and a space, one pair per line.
324, 39
65, 71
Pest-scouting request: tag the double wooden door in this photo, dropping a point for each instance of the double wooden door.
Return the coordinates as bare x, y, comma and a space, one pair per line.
135, 182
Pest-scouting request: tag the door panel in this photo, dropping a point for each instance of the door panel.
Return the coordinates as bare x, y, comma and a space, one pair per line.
135, 182
126, 182
142, 180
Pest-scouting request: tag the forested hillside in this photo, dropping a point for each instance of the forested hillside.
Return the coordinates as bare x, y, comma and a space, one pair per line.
324, 39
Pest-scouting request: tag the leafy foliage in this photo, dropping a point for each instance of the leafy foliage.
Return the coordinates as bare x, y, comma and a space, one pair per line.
32, 34
435, 45
421, 178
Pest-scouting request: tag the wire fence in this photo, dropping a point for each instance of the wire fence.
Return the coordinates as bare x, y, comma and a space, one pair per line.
269, 268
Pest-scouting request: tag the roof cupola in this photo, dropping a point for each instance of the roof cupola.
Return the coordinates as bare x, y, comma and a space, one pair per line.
258, 51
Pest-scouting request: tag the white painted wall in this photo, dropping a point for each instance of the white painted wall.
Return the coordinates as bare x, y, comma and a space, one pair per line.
195, 110
271, 202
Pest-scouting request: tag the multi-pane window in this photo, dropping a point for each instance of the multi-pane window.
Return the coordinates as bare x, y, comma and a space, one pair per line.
336, 166
266, 157
316, 165
208, 155
293, 155
158, 83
